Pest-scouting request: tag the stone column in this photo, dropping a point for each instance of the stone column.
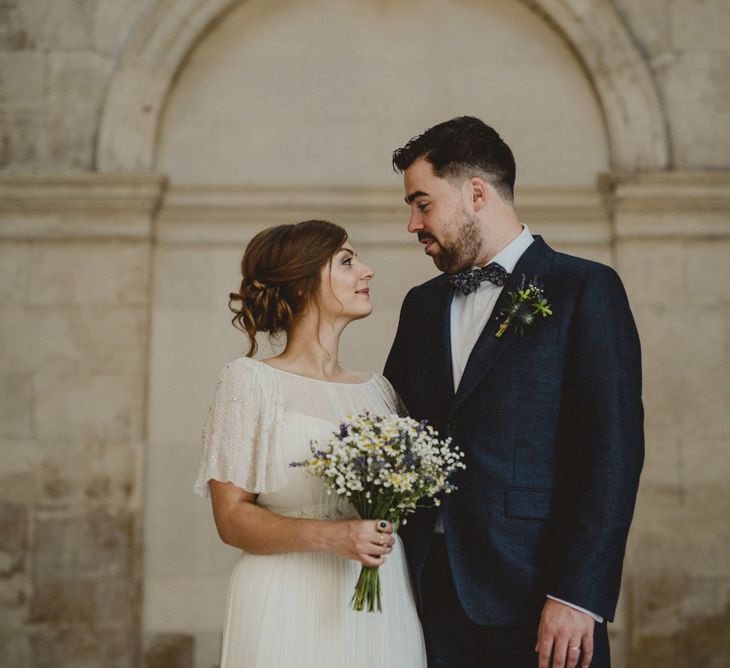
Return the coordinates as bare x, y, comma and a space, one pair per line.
672, 249
74, 294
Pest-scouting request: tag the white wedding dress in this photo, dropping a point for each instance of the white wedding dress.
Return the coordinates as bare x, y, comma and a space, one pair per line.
292, 610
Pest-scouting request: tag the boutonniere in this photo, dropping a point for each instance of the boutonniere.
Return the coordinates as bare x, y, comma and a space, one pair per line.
528, 304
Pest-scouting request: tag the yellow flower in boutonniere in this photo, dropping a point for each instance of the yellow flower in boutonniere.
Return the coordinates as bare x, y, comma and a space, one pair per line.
527, 305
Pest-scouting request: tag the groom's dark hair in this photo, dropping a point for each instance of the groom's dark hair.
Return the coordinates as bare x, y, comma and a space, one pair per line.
461, 148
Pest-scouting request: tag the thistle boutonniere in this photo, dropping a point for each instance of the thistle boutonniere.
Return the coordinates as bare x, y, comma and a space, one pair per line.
528, 304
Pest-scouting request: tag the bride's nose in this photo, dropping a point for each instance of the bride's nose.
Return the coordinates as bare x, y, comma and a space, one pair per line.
368, 273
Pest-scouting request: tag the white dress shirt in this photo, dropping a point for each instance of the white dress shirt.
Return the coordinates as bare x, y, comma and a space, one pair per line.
469, 315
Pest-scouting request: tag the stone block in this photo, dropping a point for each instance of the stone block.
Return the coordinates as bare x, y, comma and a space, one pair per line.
23, 135
98, 274
107, 475
16, 405
186, 279
15, 650
13, 604
166, 599
63, 601
13, 28
708, 272
654, 272
117, 603
169, 650
650, 23
14, 530
76, 86
74, 340
668, 633
696, 87
74, 560
21, 92
83, 648
685, 371
705, 462
113, 22
700, 25
13, 272
62, 24
662, 465
208, 649
96, 544
682, 540
18, 485
94, 408
110, 340
182, 379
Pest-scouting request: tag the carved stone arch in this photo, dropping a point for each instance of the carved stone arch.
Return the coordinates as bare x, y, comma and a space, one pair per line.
169, 31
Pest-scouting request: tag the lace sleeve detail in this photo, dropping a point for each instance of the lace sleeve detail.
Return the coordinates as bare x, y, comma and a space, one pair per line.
241, 431
393, 397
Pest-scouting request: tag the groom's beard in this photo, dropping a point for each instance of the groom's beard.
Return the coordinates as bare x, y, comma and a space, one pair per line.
460, 245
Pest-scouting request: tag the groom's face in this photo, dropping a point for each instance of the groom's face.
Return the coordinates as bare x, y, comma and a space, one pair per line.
439, 216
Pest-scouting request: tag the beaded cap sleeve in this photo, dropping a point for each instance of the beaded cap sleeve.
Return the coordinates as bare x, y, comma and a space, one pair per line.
241, 430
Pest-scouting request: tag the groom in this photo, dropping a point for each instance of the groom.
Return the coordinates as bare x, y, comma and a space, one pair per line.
522, 565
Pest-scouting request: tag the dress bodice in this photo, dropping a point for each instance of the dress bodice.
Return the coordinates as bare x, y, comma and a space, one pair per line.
263, 419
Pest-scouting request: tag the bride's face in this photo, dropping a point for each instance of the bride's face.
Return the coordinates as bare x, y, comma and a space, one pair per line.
344, 289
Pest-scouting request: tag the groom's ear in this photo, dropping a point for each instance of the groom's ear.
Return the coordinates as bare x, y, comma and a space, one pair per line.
478, 192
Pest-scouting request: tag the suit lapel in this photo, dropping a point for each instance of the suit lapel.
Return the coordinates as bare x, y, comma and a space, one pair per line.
434, 349
535, 262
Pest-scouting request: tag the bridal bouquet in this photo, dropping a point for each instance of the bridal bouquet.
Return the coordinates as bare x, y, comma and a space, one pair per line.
384, 465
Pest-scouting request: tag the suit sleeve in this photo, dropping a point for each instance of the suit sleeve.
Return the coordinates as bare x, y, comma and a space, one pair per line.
396, 366
604, 435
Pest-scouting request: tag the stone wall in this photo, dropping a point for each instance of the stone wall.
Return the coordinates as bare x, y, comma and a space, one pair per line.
673, 253
110, 289
73, 363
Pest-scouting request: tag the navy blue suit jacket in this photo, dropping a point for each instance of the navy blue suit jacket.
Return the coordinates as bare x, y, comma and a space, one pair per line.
552, 426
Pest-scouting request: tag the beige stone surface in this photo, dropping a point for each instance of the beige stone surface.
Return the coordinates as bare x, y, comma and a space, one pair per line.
19, 94
76, 85
700, 25
170, 650
708, 273
650, 21
13, 273
696, 85
242, 56
114, 324
109, 274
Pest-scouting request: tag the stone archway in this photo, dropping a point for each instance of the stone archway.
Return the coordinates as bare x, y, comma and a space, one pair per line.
169, 31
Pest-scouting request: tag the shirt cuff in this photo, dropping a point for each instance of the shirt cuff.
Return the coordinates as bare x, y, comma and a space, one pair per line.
598, 618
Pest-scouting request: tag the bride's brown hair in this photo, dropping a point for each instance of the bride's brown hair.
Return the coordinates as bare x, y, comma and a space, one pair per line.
281, 275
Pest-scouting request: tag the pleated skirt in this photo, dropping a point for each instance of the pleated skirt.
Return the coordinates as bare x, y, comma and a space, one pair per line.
293, 609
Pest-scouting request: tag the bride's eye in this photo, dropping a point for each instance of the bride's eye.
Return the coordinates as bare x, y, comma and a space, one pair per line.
348, 262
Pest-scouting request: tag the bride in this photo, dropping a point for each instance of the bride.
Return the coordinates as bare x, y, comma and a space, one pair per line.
302, 549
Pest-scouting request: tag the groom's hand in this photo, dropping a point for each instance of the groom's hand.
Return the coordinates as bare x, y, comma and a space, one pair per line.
562, 628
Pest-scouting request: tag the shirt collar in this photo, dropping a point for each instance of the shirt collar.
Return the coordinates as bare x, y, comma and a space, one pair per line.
513, 251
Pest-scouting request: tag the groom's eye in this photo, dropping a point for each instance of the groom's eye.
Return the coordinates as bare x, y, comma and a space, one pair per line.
423, 206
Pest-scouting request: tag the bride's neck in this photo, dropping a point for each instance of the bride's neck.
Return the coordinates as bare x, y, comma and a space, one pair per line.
312, 348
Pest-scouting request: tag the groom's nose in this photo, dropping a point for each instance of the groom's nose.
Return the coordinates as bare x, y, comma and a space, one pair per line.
415, 224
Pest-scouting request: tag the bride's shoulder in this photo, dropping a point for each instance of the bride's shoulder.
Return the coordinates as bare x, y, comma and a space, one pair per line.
247, 369
382, 381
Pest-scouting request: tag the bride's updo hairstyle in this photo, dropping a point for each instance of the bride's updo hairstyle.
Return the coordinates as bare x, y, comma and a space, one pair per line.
281, 275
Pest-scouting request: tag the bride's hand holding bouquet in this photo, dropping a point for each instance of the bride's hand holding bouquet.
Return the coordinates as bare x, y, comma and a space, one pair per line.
385, 466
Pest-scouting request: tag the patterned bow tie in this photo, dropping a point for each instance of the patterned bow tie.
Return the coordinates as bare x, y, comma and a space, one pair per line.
469, 280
